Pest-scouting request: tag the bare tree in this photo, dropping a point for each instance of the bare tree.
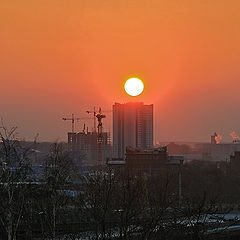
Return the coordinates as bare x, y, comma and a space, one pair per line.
161, 199
202, 198
95, 201
59, 169
15, 174
130, 201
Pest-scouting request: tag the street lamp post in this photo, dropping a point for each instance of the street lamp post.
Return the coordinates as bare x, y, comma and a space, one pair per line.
180, 183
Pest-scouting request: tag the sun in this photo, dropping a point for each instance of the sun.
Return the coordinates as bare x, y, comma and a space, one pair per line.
133, 86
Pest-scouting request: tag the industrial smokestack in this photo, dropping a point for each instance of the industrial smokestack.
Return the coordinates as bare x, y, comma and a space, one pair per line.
213, 141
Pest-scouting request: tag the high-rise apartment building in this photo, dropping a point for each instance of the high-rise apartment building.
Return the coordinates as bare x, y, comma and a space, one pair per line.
132, 127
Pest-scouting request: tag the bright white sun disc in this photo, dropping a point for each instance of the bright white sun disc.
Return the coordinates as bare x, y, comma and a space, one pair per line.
134, 86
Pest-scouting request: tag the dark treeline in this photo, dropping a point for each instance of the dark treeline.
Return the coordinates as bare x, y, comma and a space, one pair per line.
112, 203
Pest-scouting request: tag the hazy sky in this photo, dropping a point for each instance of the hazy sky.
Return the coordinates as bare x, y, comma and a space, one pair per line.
64, 56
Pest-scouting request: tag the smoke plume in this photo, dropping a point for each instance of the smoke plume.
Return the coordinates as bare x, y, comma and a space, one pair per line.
234, 136
218, 138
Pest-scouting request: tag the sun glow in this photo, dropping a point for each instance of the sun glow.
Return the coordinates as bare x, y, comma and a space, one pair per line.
133, 86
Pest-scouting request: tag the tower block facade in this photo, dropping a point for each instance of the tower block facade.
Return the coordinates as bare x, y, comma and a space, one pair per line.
132, 127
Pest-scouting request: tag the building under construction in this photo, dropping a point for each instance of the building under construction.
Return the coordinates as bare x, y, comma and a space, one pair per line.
84, 145
90, 148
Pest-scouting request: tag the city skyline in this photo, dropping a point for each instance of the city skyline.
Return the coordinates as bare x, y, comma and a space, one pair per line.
119, 119
59, 58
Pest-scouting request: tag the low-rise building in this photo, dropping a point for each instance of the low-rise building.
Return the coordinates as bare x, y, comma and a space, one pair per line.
150, 161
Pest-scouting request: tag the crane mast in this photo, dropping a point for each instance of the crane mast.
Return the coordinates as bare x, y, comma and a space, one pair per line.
98, 116
94, 118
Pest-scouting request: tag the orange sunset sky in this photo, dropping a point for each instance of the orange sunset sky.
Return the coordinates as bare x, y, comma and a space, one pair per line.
64, 56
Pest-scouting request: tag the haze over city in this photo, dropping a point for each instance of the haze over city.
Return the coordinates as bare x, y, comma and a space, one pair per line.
63, 57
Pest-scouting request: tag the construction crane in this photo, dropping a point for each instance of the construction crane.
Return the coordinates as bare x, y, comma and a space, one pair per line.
94, 118
73, 119
99, 117
94, 112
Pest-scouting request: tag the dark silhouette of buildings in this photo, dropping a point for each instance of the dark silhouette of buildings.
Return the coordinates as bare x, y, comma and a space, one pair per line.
151, 161
150, 158
235, 163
